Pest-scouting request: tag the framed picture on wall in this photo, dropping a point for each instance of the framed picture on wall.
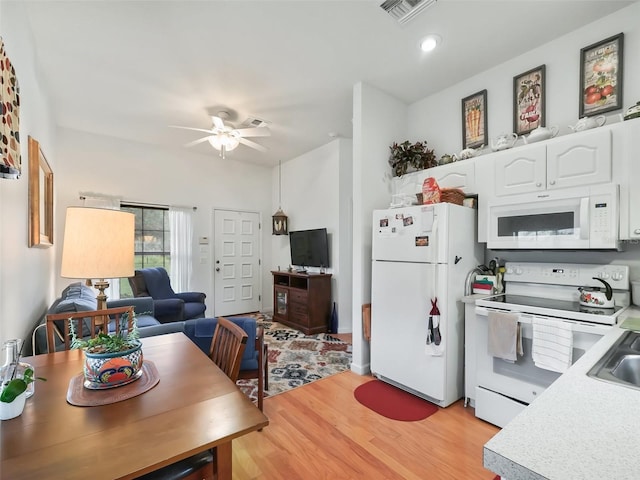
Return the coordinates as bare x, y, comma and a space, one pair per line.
40, 197
528, 100
601, 76
474, 120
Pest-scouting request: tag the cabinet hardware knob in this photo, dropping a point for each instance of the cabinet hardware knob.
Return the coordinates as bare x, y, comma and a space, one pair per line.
637, 230
552, 182
218, 269
538, 184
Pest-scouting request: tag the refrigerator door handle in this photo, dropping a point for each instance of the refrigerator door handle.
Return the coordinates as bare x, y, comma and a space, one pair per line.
436, 242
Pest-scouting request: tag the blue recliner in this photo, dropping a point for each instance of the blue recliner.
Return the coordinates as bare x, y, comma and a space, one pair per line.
169, 306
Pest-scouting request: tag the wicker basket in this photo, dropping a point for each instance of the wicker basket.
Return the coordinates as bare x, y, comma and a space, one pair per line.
452, 195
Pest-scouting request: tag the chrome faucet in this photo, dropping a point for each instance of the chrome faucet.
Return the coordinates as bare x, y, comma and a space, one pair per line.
480, 269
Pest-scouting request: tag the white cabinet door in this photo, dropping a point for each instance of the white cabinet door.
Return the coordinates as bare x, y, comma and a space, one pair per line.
521, 170
579, 159
630, 151
460, 174
470, 382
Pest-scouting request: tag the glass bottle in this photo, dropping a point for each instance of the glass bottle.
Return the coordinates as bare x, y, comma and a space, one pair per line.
12, 367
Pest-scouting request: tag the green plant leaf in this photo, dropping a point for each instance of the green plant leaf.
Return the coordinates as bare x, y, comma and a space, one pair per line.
14, 388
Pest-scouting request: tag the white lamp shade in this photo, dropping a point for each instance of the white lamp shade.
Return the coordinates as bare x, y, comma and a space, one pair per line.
98, 243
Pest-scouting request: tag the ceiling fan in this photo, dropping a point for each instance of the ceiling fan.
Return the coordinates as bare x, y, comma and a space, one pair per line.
224, 137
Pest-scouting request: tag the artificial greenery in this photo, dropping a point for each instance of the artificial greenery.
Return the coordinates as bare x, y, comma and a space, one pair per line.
119, 341
18, 385
417, 155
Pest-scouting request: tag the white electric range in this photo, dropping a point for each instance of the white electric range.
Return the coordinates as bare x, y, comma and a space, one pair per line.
547, 292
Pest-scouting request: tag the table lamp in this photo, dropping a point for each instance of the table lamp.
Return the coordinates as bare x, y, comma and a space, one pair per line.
98, 244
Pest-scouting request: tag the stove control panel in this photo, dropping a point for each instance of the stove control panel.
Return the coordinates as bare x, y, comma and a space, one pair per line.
577, 274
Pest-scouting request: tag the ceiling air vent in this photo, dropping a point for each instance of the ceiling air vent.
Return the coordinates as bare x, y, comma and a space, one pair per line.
405, 10
254, 122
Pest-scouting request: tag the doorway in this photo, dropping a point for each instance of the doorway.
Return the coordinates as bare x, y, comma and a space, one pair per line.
236, 262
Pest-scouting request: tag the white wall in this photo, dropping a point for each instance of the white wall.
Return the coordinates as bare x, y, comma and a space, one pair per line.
438, 118
26, 284
142, 173
378, 120
312, 192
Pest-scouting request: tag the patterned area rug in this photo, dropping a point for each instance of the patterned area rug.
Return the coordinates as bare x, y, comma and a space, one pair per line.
296, 359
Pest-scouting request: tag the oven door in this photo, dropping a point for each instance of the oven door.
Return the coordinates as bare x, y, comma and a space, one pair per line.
522, 380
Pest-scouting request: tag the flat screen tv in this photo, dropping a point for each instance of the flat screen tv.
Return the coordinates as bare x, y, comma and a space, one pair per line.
309, 248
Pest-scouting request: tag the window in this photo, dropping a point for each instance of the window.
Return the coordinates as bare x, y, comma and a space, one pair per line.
152, 240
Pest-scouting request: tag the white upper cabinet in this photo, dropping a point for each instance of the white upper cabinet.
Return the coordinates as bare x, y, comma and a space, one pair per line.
460, 174
629, 150
573, 160
521, 170
579, 159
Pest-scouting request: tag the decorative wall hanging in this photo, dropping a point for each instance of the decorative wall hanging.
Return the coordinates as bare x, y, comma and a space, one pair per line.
601, 76
474, 120
10, 164
40, 197
528, 100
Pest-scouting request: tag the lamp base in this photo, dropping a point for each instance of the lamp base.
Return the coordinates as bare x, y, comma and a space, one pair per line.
101, 285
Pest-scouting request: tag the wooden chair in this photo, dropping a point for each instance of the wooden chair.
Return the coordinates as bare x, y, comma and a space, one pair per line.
86, 324
227, 347
262, 372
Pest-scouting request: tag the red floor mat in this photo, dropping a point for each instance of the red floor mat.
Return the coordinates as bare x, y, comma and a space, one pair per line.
393, 402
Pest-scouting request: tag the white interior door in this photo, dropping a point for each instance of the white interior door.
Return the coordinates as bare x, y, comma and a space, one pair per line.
236, 265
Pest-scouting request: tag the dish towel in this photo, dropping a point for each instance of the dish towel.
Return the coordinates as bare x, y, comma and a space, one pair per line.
552, 344
504, 336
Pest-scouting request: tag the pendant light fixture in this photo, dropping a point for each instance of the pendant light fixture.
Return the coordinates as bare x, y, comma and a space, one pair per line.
279, 219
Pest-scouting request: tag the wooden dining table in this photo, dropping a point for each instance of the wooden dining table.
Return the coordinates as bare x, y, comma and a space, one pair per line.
193, 407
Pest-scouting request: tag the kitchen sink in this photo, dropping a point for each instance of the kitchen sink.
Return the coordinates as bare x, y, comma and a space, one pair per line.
621, 363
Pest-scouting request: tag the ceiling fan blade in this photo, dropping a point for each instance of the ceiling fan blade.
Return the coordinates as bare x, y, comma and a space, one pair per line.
254, 132
196, 142
251, 144
217, 122
212, 132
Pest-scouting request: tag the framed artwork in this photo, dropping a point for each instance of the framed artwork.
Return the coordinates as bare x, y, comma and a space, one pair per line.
528, 100
601, 76
474, 120
10, 162
40, 197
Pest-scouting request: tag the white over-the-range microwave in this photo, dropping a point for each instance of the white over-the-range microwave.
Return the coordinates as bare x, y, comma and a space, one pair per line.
572, 218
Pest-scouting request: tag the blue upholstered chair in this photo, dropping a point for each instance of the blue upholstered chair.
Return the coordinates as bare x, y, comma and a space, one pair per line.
254, 360
169, 306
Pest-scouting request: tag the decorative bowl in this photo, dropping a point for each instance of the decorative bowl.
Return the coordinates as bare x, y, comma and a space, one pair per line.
109, 370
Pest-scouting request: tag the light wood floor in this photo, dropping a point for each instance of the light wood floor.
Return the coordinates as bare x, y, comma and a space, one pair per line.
320, 431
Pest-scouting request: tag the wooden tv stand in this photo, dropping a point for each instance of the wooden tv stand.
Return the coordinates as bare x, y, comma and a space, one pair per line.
302, 301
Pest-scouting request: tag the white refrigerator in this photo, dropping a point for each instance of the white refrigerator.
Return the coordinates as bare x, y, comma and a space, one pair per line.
420, 253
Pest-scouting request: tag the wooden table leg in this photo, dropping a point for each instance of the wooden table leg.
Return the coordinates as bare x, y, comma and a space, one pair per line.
223, 461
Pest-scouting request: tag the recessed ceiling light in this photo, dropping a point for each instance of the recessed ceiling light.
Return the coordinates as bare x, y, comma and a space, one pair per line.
430, 42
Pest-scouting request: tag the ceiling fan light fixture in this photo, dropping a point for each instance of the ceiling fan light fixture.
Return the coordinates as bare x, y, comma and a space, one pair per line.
224, 140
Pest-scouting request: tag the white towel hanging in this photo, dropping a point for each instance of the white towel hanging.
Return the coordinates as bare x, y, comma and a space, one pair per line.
552, 344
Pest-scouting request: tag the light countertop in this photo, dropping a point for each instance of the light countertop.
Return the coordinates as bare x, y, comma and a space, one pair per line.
579, 428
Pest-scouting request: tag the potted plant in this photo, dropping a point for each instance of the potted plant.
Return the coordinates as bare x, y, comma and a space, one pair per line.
406, 154
111, 360
14, 394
